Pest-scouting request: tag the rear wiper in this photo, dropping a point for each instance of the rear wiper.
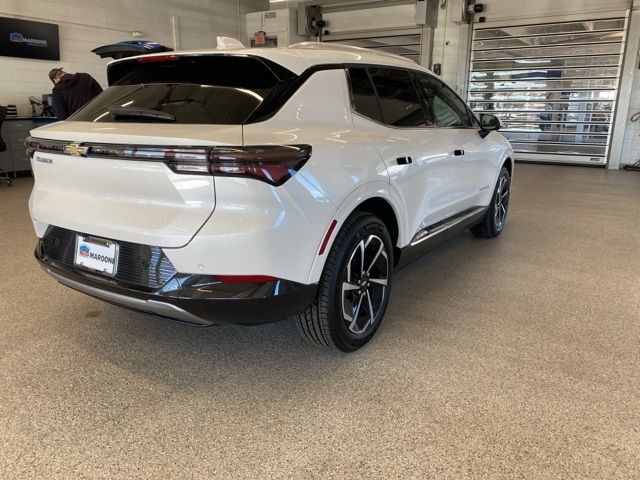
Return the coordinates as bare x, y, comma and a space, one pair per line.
140, 112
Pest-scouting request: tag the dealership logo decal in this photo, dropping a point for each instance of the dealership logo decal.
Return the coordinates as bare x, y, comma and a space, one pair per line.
16, 37
86, 252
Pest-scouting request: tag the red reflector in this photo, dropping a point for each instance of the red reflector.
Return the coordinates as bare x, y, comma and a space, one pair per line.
327, 236
246, 278
157, 58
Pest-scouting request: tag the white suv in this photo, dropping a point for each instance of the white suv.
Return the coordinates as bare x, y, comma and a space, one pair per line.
251, 185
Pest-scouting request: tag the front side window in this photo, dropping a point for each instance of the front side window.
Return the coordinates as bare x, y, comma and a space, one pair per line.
443, 104
399, 101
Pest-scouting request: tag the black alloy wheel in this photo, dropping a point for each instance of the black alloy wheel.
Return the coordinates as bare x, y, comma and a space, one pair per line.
353, 292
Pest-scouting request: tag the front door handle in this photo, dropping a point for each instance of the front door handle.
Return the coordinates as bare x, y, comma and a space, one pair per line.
458, 153
404, 160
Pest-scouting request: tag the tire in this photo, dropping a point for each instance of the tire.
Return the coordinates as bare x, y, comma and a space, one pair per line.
495, 219
341, 315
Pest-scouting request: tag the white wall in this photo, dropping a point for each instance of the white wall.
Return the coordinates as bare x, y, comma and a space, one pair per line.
631, 144
86, 24
450, 47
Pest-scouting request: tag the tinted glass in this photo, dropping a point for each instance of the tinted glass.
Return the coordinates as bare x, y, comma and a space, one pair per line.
399, 99
194, 89
221, 70
362, 94
443, 104
187, 103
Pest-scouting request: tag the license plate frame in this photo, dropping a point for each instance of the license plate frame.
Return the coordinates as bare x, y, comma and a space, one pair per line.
105, 247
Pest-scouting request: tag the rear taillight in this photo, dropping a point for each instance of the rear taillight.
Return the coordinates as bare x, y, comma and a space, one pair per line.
36, 144
273, 164
167, 154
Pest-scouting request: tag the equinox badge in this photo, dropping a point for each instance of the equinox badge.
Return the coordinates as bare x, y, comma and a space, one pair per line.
76, 150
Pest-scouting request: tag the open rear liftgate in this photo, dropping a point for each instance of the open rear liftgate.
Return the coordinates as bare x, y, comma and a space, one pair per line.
553, 85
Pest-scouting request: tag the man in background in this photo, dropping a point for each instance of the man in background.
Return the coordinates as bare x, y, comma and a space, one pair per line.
71, 91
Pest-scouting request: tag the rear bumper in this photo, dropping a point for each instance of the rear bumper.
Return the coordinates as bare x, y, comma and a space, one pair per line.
195, 299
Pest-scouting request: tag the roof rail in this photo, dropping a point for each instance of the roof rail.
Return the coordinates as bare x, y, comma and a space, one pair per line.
339, 47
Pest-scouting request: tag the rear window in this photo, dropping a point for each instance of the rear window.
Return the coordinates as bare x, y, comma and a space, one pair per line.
386, 95
399, 99
363, 96
215, 89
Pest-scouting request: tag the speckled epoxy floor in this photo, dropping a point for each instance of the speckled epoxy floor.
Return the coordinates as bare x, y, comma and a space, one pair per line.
513, 358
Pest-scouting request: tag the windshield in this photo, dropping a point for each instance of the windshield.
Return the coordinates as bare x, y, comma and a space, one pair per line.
214, 89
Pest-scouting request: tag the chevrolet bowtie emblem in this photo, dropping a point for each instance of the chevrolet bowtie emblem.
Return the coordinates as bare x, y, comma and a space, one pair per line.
76, 149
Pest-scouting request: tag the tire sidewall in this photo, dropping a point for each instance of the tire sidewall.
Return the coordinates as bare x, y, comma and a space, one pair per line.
342, 337
492, 210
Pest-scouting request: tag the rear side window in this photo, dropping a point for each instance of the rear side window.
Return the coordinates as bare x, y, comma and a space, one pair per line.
398, 97
214, 89
363, 97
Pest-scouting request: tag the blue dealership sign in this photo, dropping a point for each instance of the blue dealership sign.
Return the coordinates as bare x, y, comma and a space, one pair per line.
27, 39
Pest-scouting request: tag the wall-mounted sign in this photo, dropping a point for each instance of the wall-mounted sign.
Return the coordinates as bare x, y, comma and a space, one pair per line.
27, 39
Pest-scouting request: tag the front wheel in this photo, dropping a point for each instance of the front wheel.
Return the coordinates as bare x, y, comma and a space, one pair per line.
494, 220
353, 292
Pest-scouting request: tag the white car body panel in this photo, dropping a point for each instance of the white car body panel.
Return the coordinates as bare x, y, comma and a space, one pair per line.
424, 183
134, 201
241, 226
375, 189
106, 199
473, 174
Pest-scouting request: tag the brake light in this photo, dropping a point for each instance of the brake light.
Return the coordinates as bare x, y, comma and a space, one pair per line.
36, 144
169, 154
157, 58
273, 164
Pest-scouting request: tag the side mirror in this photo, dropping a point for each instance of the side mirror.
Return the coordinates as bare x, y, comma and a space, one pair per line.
489, 122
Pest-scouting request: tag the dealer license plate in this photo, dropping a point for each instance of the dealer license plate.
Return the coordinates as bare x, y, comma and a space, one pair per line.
96, 254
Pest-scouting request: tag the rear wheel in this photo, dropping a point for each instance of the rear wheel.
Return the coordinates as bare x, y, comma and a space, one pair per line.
493, 222
353, 292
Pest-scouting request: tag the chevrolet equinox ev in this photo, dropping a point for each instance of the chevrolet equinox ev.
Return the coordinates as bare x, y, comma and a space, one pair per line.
247, 185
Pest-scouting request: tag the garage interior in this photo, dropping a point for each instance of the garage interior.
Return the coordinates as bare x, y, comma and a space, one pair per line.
516, 358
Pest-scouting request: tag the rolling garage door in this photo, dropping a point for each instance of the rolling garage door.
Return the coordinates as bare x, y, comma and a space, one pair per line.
405, 42
553, 86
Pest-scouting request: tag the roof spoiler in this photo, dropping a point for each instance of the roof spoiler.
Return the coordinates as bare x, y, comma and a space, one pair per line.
228, 43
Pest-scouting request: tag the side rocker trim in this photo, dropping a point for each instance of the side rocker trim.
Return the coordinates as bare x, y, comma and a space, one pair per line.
430, 237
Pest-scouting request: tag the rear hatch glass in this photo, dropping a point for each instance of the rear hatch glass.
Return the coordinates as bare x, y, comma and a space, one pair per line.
195, 89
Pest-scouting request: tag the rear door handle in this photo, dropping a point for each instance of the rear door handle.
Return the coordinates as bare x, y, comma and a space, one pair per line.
404, 160
458, 153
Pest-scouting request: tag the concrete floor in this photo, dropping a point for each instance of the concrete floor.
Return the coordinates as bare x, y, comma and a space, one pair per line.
512, 358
